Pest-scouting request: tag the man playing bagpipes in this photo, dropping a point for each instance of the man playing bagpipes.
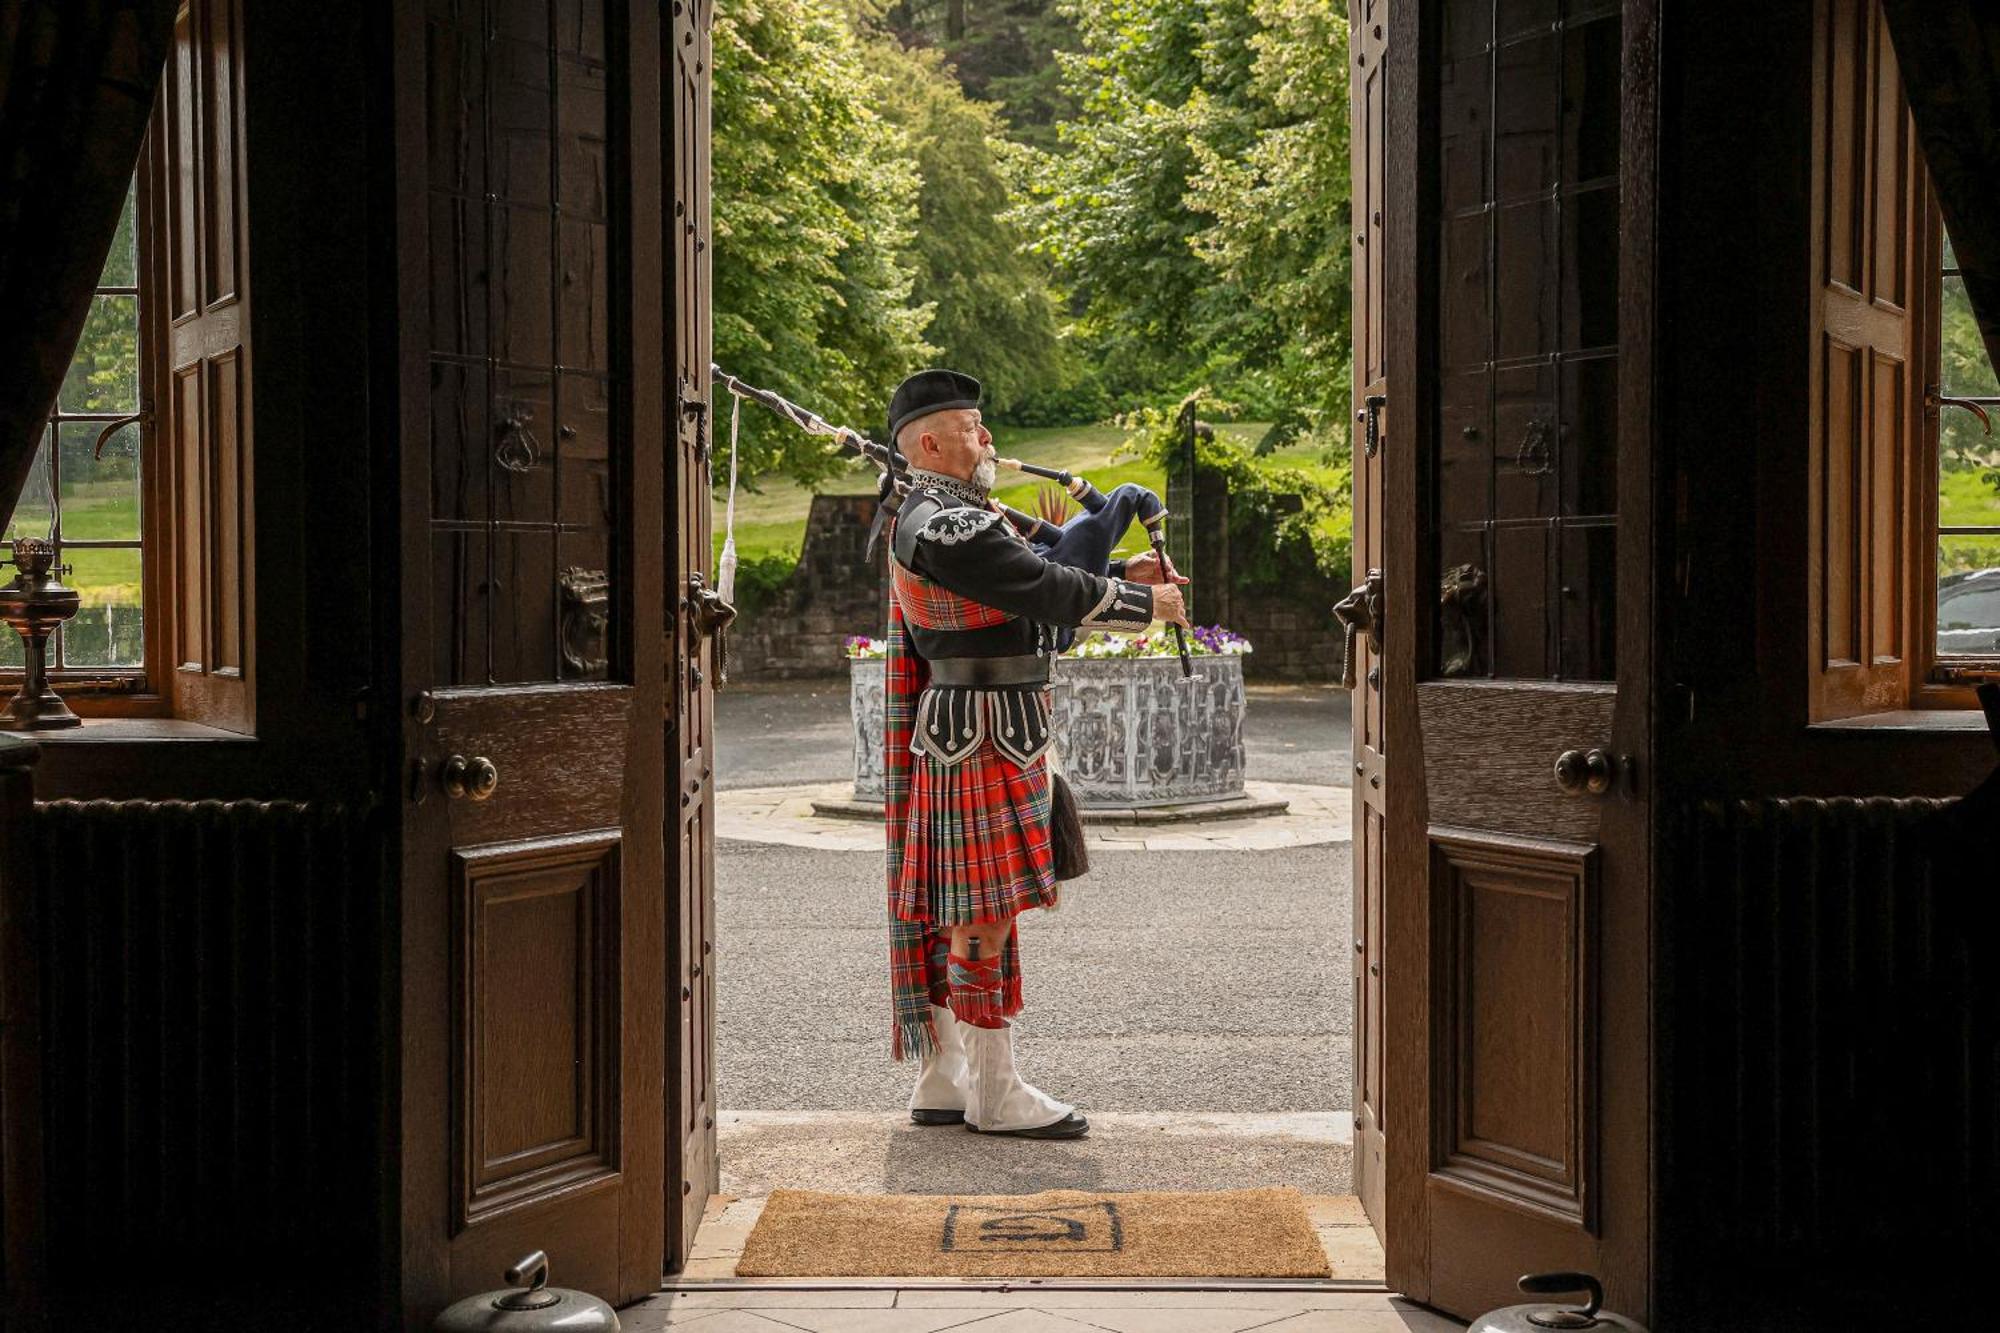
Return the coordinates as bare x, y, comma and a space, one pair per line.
976, 607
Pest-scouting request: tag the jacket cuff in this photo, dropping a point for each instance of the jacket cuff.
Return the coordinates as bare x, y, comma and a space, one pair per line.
1125, 606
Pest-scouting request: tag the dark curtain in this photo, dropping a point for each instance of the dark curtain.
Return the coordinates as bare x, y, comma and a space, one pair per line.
77, 80
1949, 51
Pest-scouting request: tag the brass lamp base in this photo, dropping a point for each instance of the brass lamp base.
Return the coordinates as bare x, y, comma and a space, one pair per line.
35, 604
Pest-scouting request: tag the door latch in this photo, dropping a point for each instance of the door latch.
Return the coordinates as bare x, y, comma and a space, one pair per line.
693, 408
709, 618
1371, 423
1358, 612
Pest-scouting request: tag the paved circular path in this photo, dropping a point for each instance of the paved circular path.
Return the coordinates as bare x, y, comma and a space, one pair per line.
784, 815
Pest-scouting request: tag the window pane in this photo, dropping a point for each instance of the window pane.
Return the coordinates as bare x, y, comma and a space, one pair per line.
100, 490
1964, 370
34, 514
1968, 596
104, 373
107, 631
121, 266
1968, 495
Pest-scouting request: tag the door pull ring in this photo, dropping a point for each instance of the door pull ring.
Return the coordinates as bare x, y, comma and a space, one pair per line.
472, 779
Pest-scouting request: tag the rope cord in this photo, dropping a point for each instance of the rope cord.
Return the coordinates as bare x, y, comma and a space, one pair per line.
725, 573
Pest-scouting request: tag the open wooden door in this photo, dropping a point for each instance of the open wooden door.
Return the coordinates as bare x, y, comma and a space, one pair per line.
534, 952
1515, 160
1362, 610
697, 622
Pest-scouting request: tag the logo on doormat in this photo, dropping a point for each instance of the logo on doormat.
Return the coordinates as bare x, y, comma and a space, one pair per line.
1083, 1228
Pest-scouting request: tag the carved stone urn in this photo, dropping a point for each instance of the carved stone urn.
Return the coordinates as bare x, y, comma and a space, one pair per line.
1131, 733
35, 604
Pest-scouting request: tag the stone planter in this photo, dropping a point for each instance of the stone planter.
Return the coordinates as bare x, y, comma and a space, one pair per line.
1129, 732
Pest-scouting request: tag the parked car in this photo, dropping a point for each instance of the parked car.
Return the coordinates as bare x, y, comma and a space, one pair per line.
1968, 613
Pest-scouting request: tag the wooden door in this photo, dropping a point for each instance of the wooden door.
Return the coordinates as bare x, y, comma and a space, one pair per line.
1368, 87
1516, 941
697, 661
533, 922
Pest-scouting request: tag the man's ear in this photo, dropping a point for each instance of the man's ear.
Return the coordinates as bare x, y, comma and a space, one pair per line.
927, 442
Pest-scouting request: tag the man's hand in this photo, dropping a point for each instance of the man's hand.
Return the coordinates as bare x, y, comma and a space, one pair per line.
1146, 568
1168, 606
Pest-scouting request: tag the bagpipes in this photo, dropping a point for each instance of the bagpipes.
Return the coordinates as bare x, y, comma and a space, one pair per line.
894, 484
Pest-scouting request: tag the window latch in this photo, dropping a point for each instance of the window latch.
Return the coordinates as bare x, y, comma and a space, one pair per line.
142, 416
1933, 400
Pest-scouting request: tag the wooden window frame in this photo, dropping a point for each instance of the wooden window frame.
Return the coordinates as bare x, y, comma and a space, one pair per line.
134, 691
197, 454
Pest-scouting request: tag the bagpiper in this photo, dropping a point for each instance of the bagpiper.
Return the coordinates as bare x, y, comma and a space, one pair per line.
975, 612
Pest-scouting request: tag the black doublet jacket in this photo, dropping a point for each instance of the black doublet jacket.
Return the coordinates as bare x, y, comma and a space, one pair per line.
969, 586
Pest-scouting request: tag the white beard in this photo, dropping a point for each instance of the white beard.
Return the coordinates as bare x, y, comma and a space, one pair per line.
986, 474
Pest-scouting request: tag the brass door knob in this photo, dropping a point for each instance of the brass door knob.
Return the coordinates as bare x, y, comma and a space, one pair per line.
473, 778
1584, 772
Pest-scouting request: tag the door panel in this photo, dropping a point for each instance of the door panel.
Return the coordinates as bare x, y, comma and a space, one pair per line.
534, 916
690, 743
1368, 91
1516, 843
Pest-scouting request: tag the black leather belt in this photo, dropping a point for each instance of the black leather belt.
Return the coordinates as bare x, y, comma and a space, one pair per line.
1025, 669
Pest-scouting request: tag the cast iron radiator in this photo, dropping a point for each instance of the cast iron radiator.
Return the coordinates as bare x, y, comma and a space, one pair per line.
212, 1029
1831, 1059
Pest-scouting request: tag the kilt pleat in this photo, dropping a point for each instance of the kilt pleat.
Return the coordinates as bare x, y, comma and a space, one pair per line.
976, 846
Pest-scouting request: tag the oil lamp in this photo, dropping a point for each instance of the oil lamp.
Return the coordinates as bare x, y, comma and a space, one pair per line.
35, 603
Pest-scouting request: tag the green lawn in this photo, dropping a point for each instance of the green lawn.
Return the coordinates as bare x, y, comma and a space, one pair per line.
100, 512
1966, 499
773, 522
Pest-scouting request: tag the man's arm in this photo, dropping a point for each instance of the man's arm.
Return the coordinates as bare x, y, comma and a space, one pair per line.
971, 552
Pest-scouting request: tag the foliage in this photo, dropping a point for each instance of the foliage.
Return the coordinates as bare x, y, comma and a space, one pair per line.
1003, 52
1285, 522
760, 576
1196, 208
989, 297
814, 211
1278, 205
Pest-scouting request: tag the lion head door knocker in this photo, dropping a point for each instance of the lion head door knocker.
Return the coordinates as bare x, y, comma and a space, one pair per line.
1359, 613
586, 622
1462, 599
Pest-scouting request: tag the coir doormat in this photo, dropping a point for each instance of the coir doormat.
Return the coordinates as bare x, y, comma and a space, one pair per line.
1061, 1233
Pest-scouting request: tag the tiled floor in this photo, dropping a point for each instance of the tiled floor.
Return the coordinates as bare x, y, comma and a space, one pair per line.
1027, 1306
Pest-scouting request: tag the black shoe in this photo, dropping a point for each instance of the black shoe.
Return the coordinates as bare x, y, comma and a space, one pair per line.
1074, 1127
922, 1117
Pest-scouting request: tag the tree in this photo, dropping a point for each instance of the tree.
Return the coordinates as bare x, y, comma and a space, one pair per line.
992, 314
1278, 203
815, 203
1003, 52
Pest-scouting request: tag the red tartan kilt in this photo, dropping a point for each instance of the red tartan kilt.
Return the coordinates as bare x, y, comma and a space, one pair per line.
976, 841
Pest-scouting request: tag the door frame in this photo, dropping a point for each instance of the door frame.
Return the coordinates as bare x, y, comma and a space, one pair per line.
1626, 1134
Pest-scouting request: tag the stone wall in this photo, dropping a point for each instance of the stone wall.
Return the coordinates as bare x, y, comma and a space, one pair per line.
835, 592
1294, 639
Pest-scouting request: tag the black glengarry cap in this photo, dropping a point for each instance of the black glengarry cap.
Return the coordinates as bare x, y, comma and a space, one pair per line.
930, 391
